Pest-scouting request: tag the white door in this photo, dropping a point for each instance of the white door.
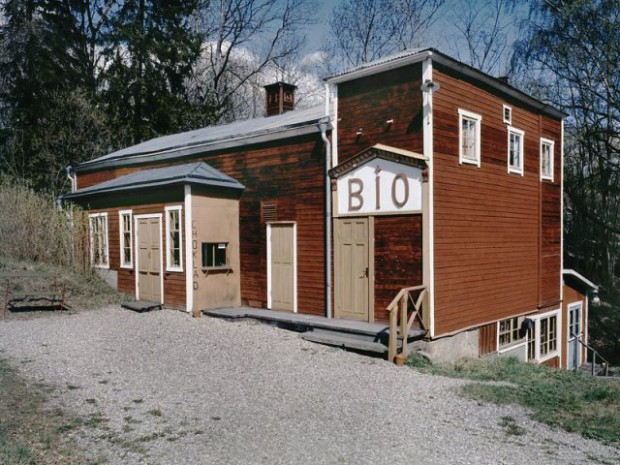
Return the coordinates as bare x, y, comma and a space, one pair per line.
574, 335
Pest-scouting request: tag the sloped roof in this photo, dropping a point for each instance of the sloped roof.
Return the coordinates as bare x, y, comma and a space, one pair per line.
210, 138
191, 173
382, 151
567, 273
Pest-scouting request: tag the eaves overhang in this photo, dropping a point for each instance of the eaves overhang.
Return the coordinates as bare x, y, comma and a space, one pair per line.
385, 152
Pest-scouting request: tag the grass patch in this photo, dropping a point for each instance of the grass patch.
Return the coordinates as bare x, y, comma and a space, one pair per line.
573, 401
29, 432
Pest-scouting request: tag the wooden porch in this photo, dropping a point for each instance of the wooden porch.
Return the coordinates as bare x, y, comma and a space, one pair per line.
349, 334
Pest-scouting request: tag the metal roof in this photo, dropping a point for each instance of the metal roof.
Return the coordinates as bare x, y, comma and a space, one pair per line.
396, 57
199, 173
221, 137
580, 277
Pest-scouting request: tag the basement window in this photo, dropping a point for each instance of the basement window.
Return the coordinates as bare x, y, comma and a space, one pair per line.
508, 332
215, 255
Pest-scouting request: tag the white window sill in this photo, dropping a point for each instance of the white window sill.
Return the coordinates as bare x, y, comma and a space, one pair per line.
102, 267
174, 270
546, 178
469, 161
512, 170
128, 266
512, 346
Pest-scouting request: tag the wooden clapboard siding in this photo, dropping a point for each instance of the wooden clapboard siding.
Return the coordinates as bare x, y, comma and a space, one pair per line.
174, 281
369, 102
487, 339
497, 235
289, 173
398, 258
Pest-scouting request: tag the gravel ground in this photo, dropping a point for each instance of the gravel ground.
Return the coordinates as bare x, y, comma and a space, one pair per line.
163, 388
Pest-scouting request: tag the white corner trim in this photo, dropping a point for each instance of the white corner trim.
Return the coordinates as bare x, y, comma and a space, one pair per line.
189, 259
335, 127
428, 148
268, 265
551, 143
168, 209
521, 168
121, 213
562, 209
477, 136
104, 215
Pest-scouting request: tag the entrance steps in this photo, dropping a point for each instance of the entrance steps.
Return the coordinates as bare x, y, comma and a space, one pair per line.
371, 338
141, 306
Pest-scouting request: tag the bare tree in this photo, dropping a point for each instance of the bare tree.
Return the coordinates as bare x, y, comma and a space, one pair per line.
483, 30
365, 30
243, 38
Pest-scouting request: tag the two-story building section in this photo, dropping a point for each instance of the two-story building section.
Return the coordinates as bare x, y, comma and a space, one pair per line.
419, 171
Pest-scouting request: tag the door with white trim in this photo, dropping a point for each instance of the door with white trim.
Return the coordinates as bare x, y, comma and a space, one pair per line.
149, 272
351, 268
574, 333
282, 267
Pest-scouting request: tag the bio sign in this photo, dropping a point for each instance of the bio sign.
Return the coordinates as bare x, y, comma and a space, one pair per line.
380, 187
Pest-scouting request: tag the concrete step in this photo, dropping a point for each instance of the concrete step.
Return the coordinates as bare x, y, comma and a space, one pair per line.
141, 306
346, 341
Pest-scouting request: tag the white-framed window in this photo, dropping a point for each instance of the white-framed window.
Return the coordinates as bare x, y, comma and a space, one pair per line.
516, 139
126, 238
544, 336
469, 137
174, 239
546, 159
507, 114
99, 251
508, 332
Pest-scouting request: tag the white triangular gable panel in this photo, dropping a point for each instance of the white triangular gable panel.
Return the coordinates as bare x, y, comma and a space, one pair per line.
380, 187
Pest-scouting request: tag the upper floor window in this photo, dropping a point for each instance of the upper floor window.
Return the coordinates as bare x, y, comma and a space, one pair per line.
546, 159
515, 150
98, 225
469, 137
126, 238
173, 239
507, 114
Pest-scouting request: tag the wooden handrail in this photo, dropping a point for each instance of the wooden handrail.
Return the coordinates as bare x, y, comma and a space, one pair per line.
399, 307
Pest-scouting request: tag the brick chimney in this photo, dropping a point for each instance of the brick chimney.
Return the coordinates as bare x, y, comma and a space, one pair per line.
279, 98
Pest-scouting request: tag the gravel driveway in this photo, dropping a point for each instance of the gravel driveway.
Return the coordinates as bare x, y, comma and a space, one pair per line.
163, 388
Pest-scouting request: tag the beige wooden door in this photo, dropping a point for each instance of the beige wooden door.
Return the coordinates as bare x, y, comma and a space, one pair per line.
351, 269
149, 260
282, 267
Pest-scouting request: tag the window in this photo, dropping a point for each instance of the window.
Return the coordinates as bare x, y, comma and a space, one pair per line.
125, 228
507, 113
515, 150
98, 224
508, 331
543, 336
173, 239
469, 137
546, 159
574, 320
214, 254
548, 335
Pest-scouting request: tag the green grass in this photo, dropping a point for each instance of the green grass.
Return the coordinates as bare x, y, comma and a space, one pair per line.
573, 401
30, 433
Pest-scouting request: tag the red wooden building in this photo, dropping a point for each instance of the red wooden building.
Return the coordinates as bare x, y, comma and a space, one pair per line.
419, 171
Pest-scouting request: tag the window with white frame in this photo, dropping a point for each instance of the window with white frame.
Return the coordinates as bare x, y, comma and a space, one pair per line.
173, 239
546, 159
515, 150
98, 225
126, 229
509, 332
543, 336
469, 137
507, 114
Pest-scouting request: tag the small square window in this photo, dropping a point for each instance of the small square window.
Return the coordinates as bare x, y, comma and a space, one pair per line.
515, 150
469, 137
214, 254
507, 111
546, 159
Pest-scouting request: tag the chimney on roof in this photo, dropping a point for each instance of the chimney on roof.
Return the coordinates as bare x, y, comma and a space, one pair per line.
279, 98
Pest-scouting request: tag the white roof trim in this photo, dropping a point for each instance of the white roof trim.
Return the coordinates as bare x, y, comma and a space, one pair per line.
406, 153
580, 277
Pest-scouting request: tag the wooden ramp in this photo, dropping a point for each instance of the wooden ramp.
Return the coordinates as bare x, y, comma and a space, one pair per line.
141, 306
349, 334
